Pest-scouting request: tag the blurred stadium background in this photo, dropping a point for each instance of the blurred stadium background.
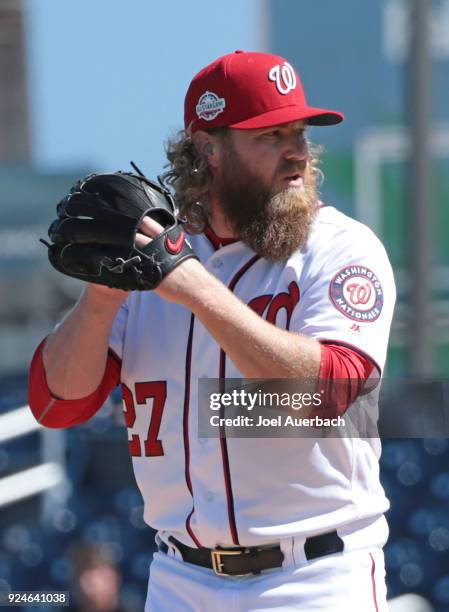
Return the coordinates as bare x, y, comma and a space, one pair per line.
90, 85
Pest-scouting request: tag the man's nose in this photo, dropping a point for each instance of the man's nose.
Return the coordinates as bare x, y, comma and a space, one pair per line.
296, 148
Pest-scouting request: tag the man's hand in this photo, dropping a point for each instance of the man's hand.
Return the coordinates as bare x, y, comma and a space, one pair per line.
179, 284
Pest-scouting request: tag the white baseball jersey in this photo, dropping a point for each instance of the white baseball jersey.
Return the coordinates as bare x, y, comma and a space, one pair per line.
237, 491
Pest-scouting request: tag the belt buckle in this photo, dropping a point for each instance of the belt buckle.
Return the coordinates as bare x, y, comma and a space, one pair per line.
217, 563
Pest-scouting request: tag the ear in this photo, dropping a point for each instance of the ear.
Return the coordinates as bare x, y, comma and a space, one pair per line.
207, 146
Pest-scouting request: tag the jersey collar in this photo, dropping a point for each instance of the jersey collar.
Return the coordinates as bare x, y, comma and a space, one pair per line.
216, 241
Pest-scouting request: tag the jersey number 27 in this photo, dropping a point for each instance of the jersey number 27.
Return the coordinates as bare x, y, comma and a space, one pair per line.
157, 391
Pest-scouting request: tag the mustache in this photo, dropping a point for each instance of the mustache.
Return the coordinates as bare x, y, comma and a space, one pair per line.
289, 168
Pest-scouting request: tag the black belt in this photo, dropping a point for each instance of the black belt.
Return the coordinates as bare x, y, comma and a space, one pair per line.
252, 559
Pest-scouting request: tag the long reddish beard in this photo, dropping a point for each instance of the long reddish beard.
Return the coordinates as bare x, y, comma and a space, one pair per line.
272, 225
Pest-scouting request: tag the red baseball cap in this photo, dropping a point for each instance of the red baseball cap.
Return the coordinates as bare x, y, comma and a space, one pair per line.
247, 91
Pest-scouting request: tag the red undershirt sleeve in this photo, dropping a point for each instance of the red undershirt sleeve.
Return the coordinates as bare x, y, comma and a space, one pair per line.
54, 412
349, 370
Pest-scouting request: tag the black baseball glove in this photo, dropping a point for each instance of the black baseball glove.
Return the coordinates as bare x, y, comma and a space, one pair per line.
93, 238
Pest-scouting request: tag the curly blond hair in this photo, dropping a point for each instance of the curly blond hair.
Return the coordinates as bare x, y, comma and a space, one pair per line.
190, 176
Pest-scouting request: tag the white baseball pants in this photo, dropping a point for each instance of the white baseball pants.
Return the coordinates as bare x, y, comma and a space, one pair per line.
351, 581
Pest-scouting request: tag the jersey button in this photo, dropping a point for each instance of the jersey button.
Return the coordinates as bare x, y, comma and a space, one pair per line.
202, 440
217, 263
209, 496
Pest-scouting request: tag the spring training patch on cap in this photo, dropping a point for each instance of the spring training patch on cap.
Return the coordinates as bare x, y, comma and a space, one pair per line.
357, 293
209, 106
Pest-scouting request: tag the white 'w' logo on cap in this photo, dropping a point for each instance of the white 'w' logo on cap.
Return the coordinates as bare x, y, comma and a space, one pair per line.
284, 76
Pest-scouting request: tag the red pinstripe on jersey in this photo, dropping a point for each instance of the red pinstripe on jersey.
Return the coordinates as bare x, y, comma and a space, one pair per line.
373, 581
186, 427
223, 443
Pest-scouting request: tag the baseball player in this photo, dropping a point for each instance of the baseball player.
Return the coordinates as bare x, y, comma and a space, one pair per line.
274, 285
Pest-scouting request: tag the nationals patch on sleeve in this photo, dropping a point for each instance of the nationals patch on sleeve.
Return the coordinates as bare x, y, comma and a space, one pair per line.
357, 293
